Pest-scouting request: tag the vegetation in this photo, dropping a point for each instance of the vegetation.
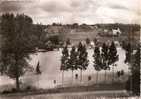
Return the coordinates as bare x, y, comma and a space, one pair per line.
88, 41
82, 61
97, 61
105, 56
133, 83
68, 42
64, 61
112, 57
18, 42
73, 60
21, 38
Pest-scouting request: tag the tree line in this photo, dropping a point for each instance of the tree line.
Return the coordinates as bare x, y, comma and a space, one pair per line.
77, 59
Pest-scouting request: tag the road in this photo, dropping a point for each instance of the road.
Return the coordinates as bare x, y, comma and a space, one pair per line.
74, 95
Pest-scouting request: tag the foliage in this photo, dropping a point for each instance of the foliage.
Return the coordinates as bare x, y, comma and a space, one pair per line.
97, 59
73, 59
133, 82
82, 61
87, 41
128, 51
64, 59
54, 39
40, 35
68, 42
113, 57
18, 42
105, 55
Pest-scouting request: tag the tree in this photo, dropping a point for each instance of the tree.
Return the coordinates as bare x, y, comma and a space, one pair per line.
112, 57
97, 61
80, 47
123, 44
54, 39
40, 35
82, 62
95, 41
128, 51
133, 83
105, 55
68, 42
64, 61
18, 43
88, 41
72, 65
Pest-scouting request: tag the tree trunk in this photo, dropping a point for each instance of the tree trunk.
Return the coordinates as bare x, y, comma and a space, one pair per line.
72, 76
17, 83
80, 75
17, 74
97, 77
105, 75
113, 74
62, 77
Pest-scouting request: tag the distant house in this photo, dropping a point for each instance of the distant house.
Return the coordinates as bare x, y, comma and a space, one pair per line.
116, 31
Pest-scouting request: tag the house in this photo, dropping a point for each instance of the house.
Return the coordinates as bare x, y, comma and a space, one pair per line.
116, 32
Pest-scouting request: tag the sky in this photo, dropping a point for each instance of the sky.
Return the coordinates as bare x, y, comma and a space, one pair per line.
76, 11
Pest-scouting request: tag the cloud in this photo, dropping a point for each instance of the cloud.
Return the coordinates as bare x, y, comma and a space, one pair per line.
118, 7
55, 7
81, 11
9, 6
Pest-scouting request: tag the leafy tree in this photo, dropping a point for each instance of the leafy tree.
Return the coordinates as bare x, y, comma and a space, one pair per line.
97, 61
105, 55
95, 41
80, 47
82, 61
54, 39
113, 57
75, 25
87, 41
72, 65
68, 42
18, 43
123, 44
64, 61
133, 83
40, 35
128, 51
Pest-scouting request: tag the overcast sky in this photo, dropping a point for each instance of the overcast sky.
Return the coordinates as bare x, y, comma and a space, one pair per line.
72, 11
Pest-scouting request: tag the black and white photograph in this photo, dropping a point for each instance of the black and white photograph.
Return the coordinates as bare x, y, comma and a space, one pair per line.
70, 49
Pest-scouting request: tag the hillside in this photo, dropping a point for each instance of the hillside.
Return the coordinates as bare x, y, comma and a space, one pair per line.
78, 33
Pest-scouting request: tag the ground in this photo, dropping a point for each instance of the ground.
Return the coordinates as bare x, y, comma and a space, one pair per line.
50, 67
73, 95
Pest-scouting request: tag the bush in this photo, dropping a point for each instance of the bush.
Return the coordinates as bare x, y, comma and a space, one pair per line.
5, 92
13, 90
28, 88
